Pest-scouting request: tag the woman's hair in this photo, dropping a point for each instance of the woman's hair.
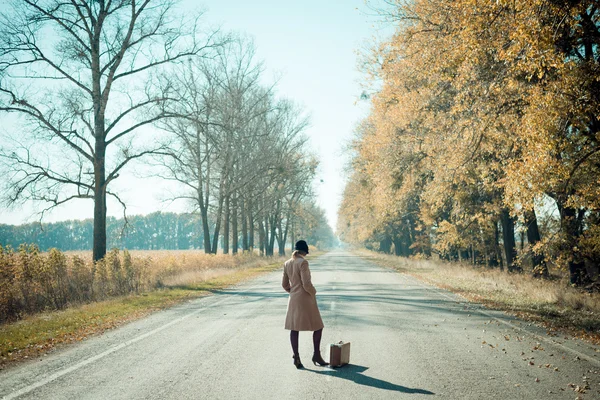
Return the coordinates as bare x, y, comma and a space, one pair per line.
297, 253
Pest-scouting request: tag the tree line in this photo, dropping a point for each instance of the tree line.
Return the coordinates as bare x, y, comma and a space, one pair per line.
483, 124
155, 231
120, 83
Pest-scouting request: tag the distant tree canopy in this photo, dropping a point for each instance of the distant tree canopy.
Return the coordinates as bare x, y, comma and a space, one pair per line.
155, 231
483, 111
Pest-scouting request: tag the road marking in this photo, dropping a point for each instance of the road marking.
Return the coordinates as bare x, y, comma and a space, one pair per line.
118, 347
535, 335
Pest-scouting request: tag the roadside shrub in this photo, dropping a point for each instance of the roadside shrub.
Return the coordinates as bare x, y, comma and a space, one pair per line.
81, 279
31, 281
9, 307
28, 268
54, 279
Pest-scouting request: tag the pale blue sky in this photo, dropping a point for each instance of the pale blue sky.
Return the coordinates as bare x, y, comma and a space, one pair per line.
311, 47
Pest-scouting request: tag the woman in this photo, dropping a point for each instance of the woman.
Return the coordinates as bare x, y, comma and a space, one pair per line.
302, 312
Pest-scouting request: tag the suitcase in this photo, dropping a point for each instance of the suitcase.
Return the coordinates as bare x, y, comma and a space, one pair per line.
339, 354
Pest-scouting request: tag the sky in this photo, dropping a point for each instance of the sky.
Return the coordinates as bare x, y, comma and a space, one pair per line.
311, 48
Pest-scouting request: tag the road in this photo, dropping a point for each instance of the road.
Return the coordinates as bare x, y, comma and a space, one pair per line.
408, 340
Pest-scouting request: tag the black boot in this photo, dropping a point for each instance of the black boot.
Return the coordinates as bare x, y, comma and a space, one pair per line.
317, 359
297, 362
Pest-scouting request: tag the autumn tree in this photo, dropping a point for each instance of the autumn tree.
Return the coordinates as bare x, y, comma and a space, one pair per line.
481, 111
558, 45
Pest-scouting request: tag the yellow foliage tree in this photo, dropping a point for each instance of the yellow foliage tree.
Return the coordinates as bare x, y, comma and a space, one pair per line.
482, 109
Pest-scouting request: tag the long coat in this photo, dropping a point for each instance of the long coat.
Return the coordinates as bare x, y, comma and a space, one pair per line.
302, 312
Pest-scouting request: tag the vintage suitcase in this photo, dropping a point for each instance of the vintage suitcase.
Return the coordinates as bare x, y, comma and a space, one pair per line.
339, 354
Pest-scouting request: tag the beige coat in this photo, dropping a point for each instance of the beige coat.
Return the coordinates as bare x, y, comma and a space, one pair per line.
302, 312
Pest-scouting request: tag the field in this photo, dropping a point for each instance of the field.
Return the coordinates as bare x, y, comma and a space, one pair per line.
49, 299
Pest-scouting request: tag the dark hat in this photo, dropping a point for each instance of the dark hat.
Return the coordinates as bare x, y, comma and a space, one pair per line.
302, 246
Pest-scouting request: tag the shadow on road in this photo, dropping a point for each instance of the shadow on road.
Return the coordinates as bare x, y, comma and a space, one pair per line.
353, 373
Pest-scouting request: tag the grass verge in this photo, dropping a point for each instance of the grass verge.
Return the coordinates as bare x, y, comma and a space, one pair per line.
36, 335
550, 303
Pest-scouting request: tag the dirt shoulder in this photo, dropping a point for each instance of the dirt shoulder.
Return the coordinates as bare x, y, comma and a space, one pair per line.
552, 304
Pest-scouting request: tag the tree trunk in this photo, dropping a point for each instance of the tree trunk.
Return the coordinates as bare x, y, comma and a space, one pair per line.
496, 256
522, 241
261, 238
99, 250
217, 225
268, 237
226, 224
282, 234
280, 240
410, 236
205, 230
508, 237
397, 245
571, 220
272, 235
250, 228
99, 246
292, 235
385, 245
244, 225
234, 226
204, 197
540, 269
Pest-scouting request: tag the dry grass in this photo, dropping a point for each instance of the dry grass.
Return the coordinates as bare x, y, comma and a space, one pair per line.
174, 276
33, 282
552, 303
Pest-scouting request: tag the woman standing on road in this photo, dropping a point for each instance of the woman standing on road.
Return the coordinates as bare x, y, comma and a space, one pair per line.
302, 312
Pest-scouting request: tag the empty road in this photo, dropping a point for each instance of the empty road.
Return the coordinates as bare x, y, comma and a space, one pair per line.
409, 341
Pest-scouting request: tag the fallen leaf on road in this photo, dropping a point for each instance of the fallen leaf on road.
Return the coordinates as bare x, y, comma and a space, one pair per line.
579, 389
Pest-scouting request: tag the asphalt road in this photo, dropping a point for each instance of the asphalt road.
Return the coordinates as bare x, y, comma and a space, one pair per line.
408, 341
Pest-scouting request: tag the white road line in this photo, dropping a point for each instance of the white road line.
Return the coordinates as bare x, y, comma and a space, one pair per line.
97, 357
535, 335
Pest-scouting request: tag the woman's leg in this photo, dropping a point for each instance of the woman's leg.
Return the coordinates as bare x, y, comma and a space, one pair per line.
294, 339
317, 359
317, 340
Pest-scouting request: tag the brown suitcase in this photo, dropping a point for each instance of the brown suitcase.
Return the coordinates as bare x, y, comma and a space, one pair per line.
339, 354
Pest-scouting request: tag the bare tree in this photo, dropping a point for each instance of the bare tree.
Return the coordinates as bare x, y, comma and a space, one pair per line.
215, 132
83, 75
